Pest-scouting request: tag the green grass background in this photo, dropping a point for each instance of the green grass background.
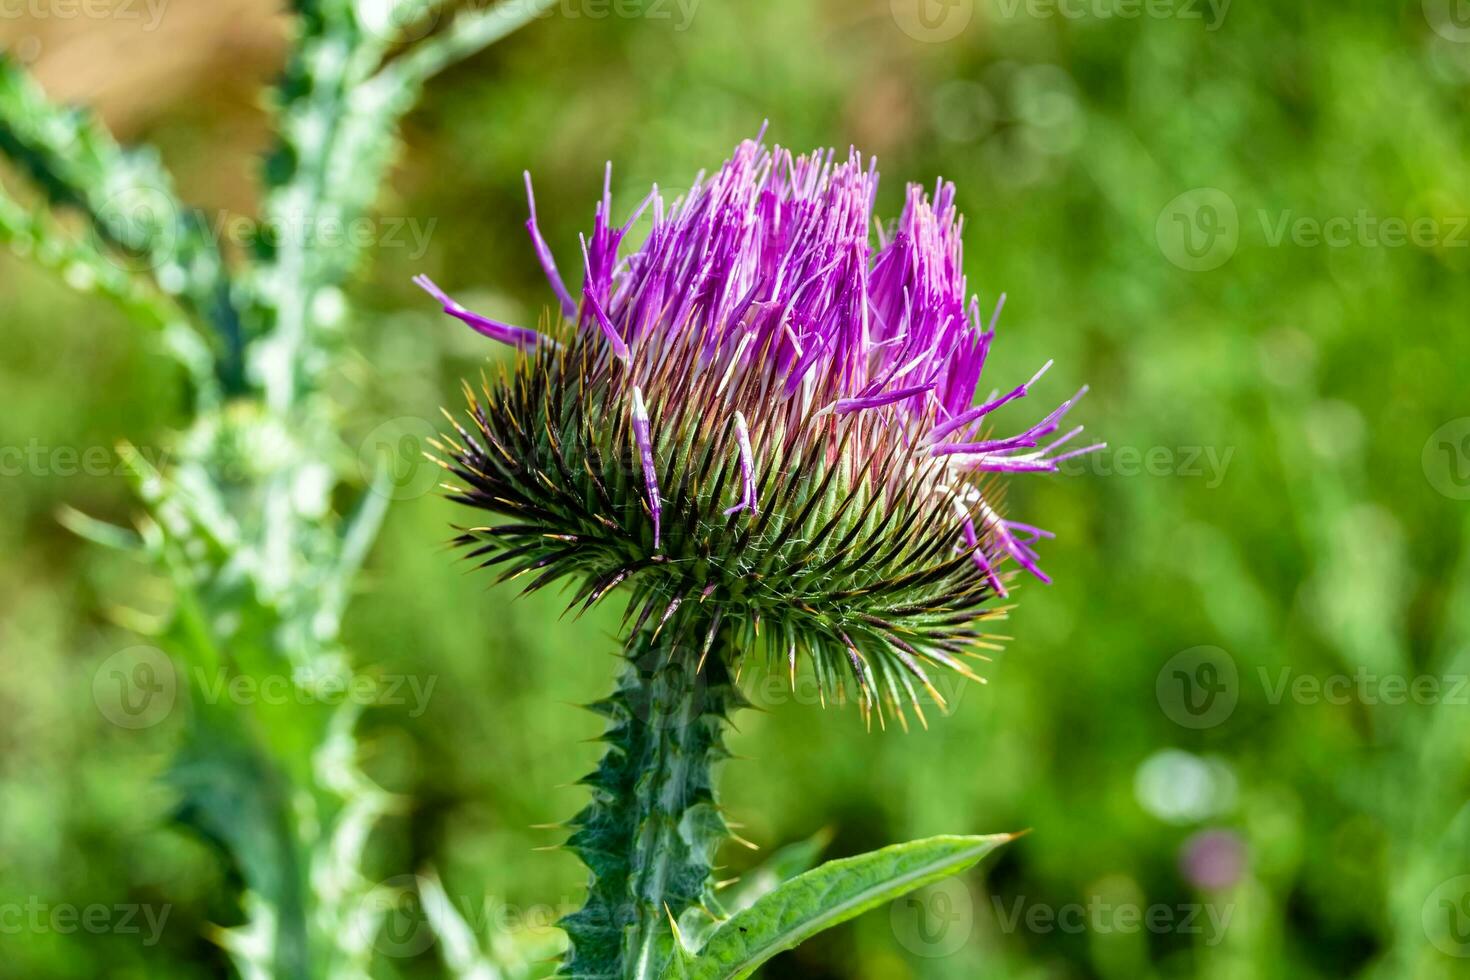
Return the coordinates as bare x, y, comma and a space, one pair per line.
1329, 543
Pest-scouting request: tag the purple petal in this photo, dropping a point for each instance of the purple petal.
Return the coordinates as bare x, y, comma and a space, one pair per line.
846, 405
747, 467
619, 347
767, 275
960, 421
543, 254
643, 437
494, 329
978, 554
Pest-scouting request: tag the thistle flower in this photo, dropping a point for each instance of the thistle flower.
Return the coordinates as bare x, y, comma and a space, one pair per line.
765, 425
763, 421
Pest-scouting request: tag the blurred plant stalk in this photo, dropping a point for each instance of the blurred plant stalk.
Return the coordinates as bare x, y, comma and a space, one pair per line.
242, 520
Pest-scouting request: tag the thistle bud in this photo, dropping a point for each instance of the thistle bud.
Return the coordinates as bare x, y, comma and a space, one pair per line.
767, 423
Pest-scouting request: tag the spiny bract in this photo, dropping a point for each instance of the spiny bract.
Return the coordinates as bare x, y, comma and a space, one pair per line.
763, 424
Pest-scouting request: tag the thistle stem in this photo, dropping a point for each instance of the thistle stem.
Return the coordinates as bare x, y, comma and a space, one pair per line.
650, 835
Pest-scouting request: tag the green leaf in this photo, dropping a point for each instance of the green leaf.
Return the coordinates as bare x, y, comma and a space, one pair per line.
697, 925
820, 899
471, 32
134, 215
237, 800
782, 866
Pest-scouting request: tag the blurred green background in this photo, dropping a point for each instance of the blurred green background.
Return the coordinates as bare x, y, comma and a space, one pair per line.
1238, 725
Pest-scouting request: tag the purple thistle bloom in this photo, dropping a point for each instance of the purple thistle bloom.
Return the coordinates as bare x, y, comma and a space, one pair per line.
747, 467
761, 425
766, 277
769, 426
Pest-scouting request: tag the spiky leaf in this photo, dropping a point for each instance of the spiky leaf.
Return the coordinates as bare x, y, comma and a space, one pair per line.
831, 894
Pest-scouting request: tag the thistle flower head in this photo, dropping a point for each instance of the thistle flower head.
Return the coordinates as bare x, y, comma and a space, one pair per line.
766, 421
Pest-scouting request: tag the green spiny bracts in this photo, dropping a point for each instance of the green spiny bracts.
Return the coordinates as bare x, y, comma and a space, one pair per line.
652, 830
845, 563
770, 436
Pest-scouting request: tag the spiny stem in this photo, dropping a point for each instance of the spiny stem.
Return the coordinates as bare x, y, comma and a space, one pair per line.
650, 835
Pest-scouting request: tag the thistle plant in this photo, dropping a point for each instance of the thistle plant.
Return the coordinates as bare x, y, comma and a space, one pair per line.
241, 522
767, 431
